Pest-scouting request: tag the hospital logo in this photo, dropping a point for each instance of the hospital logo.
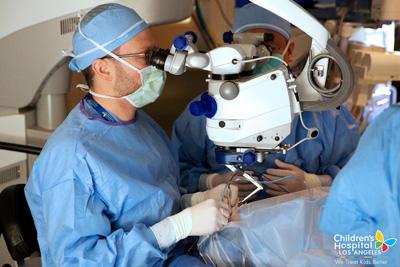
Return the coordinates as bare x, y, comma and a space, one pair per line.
362, 249
383, 244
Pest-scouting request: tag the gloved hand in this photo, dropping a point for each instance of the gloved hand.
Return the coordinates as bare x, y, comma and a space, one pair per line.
208, 217
204, 218
235, 214
230, 196
245, 186
302, 181
208, 181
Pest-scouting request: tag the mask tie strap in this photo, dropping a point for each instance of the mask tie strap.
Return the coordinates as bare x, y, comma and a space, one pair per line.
83, 87
286, 49
103, 96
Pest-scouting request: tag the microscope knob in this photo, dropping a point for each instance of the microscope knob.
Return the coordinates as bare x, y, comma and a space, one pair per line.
249, 157
193, 35
228, 37
229, 90
206, 106
180, 42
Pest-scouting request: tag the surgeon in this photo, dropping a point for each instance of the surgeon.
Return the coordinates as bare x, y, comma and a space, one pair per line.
365, 196
104, 191
314, 163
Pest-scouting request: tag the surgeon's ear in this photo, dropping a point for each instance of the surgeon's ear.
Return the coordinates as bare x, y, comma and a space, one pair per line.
289, 53
102, 68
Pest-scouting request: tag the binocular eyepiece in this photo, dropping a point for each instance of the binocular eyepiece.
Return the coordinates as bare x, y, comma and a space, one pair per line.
158, 58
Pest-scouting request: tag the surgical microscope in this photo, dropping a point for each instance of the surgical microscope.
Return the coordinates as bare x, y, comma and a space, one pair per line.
249, 115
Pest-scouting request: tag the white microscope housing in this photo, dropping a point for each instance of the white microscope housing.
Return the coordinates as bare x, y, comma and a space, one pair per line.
250, 114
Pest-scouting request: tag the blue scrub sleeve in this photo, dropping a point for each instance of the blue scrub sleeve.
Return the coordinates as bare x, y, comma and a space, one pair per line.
80, 232
190, 140
343, 143
364, 197
366, 192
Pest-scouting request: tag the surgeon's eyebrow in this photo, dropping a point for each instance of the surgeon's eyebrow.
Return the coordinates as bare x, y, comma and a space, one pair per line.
146, 49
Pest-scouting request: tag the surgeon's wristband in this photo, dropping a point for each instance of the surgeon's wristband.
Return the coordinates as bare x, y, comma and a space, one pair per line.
312, 180
173, 229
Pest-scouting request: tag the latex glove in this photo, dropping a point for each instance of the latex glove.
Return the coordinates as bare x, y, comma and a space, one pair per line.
204, 218
209, 181
209, 216
235, 214
303, 181
245, 186
230, 196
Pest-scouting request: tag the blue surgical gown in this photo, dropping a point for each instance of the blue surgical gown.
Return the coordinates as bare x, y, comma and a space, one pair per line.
327, 154
365, 196
98, 186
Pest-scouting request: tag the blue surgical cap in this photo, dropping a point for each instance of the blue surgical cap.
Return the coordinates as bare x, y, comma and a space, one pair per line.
110, 25
249, 16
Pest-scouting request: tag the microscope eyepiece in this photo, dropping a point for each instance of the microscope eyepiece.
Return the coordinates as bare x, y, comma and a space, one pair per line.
158, 57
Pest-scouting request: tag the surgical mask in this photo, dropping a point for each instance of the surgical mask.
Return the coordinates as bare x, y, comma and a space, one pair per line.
269, 65
152, 79
272, 63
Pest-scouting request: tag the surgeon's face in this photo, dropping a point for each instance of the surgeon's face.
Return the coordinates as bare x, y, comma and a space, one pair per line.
126, 79
278, 45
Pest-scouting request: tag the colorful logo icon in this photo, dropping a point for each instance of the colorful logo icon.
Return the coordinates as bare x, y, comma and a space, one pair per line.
383, 244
